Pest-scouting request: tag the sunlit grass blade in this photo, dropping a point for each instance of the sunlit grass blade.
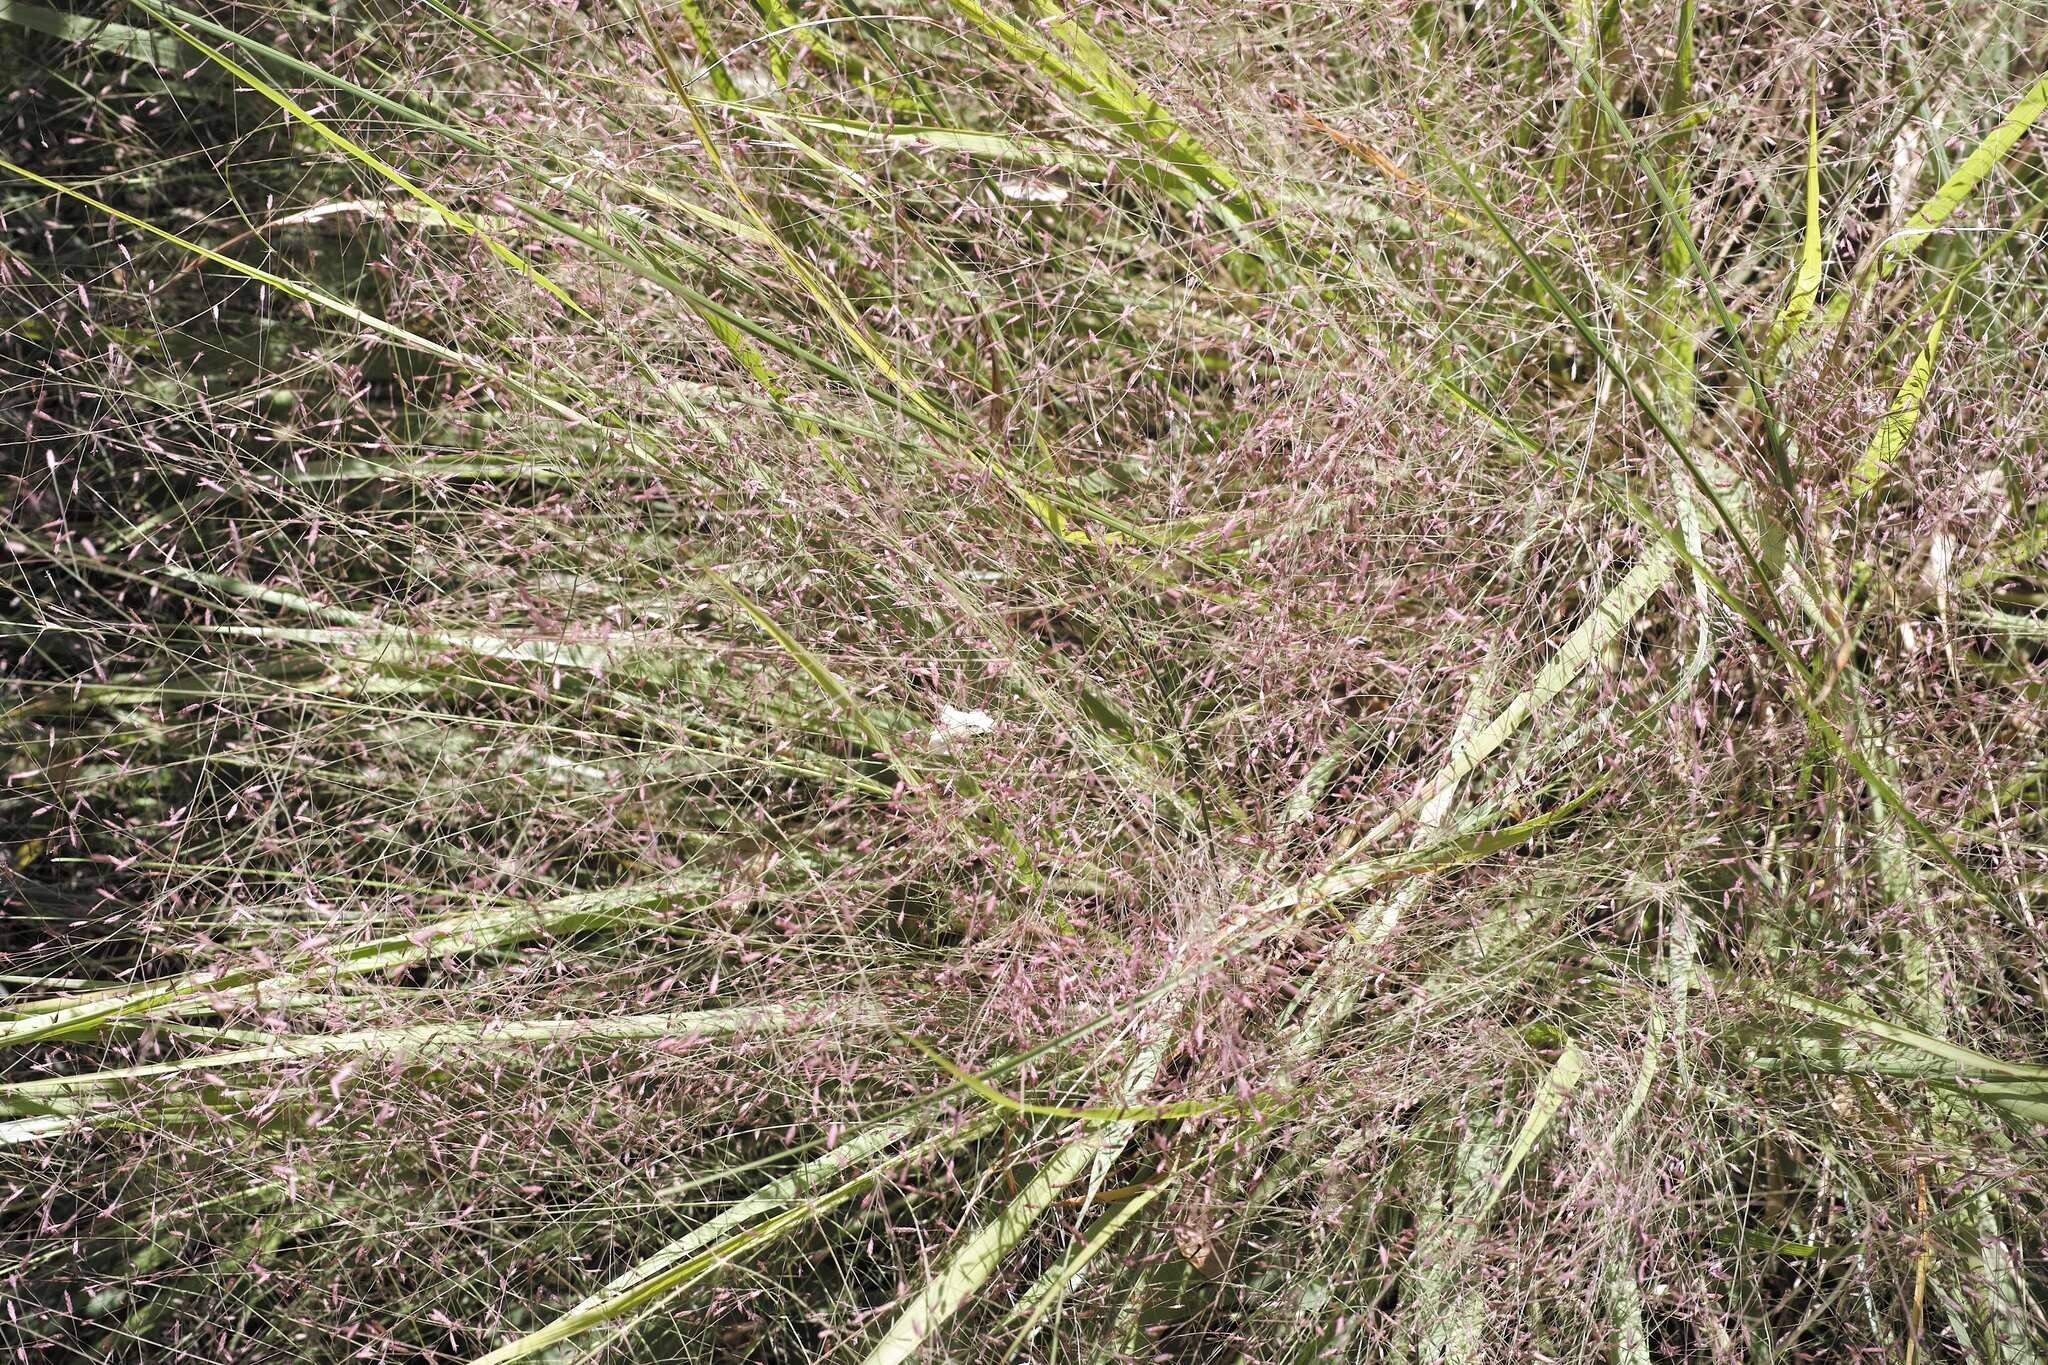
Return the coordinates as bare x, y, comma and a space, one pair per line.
311, 293
415, 1040
124, 39
1612, 615
32, 1021
954, 1283
1044, 1297
1983, 158
1926, 221
1895, 429
1176, 162
722, 1239
351, 148
1798, 306
1551, 1096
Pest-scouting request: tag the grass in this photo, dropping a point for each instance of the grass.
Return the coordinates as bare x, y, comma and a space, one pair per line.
1494, 556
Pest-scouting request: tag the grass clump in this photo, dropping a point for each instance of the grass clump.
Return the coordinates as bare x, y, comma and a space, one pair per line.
986, 682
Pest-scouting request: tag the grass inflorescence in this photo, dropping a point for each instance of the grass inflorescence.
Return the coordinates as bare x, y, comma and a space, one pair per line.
971, 680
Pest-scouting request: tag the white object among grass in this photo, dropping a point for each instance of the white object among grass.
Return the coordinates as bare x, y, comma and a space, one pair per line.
955, 725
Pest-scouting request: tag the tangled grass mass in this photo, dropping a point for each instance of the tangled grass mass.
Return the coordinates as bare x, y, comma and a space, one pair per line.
882, 681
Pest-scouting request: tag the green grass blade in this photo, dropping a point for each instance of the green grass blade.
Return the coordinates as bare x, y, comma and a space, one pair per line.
956, 1282
820, 673
716, 1242
123, 40
355, 150
1551, 1095
1939, 207
428, 1039
1045, 1296
1986, 155
309, 293
468, 931
1798, 307
1895, 430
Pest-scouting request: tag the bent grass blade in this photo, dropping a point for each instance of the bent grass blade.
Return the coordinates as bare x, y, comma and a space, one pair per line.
1806, 278
348, 146
719, 1241
469, 931
1895, 430
1556, 1088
